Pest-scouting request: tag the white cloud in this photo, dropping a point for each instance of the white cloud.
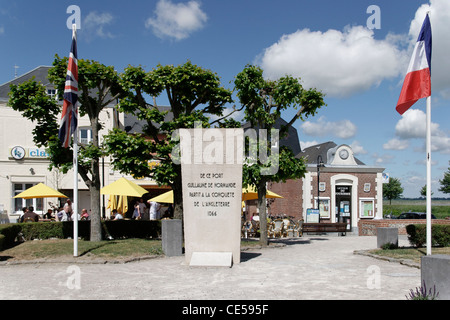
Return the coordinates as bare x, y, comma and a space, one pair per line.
176, 21
358, 148
412, 125
382, 159
337, 63
2, 30
440, 24
95, 24
396, 144
440, 144
343, 129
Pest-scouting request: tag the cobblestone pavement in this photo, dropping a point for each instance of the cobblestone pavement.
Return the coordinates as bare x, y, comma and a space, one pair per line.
311, 267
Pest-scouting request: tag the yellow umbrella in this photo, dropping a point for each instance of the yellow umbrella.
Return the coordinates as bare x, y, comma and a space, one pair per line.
124, 187
112, 202
40, 191
164, 198
122, 206
250, 193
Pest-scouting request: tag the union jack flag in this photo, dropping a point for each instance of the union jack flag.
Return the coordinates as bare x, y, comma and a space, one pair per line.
69, 118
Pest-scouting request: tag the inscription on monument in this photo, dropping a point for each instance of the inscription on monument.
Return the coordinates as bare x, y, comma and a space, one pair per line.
213, 193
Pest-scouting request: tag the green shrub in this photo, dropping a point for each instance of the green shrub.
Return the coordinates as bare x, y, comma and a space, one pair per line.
389, 246
142, 229
62, 230
2, 241
417, 235
10, 232
441, 234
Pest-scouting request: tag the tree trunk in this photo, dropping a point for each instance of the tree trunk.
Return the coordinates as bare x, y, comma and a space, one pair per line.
262, 189
95, 215
178, 197
94, 187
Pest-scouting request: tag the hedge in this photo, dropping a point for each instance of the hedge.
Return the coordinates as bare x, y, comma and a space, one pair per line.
9, 232
440, 235
62, 230
2, 241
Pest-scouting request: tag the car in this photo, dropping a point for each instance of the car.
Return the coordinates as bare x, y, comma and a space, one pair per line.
414, 215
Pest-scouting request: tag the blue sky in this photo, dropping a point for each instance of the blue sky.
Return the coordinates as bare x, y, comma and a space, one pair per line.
326, 43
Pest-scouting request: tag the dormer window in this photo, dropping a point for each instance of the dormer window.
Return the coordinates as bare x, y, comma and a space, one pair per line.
51, 92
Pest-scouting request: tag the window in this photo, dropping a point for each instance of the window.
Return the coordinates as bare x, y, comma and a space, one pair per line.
85, 135
19, 203
51, 92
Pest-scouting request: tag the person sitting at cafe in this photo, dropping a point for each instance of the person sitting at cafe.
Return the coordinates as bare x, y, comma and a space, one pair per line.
30, 215
61, 214
24, 210
116, 215
84, 214
49, 214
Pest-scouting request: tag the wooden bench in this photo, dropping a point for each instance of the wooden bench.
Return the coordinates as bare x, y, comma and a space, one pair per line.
324, 227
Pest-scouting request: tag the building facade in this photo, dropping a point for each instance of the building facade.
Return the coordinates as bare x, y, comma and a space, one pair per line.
347, 189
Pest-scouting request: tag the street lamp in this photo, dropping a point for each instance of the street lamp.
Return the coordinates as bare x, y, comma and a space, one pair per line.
320, 164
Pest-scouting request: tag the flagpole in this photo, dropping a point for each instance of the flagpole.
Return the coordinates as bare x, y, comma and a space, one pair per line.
428, 175
429, 167
75, 175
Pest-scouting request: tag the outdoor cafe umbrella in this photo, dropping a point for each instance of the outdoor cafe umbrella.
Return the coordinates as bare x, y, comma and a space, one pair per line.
123, 187
40, 191
250, 193
166, 197
121, 205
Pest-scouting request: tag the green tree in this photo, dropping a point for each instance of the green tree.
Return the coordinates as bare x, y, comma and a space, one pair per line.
423, 191
393, 189
193, 93
445, 183
98, 87
264, 100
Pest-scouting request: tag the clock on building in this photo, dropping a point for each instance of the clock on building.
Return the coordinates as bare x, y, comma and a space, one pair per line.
343, 154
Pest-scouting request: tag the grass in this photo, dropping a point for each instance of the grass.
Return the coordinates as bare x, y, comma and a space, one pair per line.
112, 249
413, 254
44, 249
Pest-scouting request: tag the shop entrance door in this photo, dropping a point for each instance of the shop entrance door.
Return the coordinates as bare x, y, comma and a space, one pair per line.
344, 205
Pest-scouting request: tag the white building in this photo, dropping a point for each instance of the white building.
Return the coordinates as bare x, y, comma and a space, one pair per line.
23, 164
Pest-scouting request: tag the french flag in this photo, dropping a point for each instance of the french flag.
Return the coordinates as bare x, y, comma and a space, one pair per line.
417, 83
69, 117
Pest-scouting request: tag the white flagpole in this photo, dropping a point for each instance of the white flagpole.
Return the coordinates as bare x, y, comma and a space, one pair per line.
75, 176
428, 175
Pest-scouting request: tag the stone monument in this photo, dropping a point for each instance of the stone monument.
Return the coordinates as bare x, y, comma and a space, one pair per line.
211, 166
